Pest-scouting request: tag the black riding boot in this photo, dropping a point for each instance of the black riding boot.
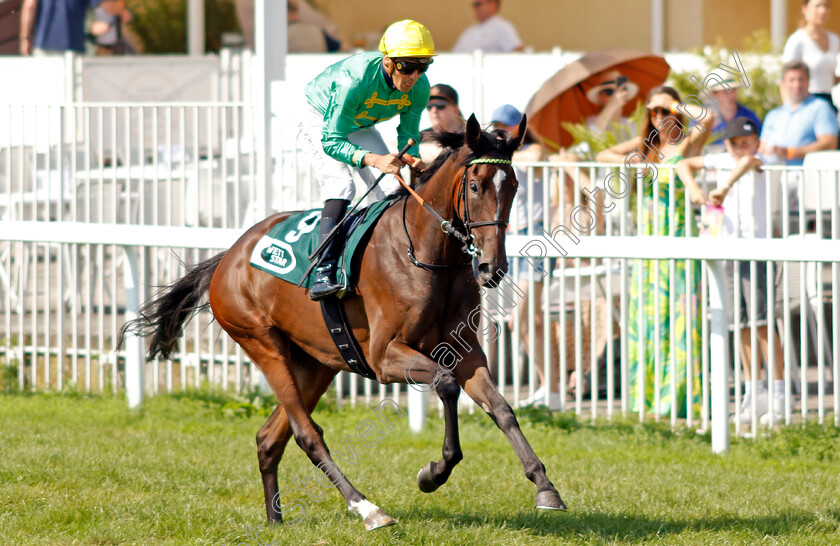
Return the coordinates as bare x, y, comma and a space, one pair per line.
325, 283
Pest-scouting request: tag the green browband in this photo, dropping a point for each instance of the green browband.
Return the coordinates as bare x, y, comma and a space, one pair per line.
489, 160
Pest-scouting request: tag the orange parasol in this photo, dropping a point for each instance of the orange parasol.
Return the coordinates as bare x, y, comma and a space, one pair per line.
562, 98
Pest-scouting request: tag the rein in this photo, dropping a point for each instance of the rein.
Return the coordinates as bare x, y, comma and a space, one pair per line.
446, 226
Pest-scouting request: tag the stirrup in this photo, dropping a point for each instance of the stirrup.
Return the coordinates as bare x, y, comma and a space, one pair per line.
325, 284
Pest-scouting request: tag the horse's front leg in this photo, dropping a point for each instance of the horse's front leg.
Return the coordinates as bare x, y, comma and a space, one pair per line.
435, 474
402, 363
476, 380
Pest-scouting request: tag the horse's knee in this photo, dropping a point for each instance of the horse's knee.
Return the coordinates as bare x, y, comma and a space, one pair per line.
447, 387
501, 413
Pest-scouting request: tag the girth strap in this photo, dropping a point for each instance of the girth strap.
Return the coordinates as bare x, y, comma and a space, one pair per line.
335, 318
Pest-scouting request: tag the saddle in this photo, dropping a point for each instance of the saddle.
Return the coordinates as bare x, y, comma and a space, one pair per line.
284, 252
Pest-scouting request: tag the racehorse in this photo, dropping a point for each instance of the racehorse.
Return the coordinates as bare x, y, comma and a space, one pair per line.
402, 311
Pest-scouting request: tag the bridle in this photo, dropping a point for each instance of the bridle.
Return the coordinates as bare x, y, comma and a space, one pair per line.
464, 219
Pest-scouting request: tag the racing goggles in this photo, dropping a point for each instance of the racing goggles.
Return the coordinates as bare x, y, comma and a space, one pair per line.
405, 66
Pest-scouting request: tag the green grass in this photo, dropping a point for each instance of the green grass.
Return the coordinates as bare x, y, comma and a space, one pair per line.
85, 470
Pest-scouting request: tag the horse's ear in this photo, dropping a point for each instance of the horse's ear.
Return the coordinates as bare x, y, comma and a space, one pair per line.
473, 132
523, 126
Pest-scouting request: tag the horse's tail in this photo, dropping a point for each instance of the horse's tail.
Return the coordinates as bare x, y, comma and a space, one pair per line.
164, 316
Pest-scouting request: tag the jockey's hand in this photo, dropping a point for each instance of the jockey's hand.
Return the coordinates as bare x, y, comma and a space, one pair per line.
386, 163
416, 163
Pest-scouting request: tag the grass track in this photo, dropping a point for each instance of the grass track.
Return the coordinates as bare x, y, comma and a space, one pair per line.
85, 470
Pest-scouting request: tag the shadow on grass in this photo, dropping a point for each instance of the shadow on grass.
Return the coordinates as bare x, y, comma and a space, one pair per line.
630, 527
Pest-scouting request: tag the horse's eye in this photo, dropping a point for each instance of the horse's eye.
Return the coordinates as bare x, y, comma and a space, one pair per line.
473, 187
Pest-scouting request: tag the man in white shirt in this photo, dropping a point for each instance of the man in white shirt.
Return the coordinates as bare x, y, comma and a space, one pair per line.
491, 34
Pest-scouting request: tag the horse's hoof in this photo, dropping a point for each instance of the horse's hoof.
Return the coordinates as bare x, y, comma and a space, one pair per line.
425, 481
550, 500
378, 518
373, 516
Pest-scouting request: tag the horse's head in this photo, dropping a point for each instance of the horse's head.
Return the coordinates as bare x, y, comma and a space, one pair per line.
485, 197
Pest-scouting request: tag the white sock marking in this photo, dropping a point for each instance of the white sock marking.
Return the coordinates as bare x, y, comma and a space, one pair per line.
362, 508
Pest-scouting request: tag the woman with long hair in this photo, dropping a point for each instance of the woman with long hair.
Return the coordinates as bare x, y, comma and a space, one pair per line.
658, 341
816, 47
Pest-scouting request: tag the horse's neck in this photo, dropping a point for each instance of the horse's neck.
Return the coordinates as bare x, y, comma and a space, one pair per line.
440, 193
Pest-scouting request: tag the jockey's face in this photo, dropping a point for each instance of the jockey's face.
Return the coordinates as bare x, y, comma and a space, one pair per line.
403, 82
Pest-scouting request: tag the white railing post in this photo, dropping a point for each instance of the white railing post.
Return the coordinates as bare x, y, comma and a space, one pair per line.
134, 364
719, 337
418, 401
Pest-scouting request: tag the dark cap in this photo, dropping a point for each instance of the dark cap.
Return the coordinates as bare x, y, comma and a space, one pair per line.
739, 127
445, 92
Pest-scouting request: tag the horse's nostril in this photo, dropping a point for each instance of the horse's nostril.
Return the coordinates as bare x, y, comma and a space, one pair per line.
495, 271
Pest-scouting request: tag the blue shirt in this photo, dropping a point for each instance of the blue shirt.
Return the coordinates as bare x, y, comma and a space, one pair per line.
741, 111
799, 127
60, 24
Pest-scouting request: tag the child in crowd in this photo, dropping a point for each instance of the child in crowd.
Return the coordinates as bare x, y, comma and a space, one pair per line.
745, 215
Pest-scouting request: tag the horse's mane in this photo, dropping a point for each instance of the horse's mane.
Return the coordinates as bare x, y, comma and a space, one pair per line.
495, 143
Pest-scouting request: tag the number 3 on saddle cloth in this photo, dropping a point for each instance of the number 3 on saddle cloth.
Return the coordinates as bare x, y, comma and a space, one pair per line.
284, 252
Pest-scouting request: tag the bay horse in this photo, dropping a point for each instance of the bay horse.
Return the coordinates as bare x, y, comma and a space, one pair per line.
400, 313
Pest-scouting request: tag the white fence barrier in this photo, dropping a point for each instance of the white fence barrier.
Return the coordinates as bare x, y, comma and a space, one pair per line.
104, 192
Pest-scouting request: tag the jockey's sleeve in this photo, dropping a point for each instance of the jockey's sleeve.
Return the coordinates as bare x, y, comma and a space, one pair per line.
340, 121
409, 126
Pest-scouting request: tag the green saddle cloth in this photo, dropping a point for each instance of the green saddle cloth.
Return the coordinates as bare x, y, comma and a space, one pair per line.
284, 251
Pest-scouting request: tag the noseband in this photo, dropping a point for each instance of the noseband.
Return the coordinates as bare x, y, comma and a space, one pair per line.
464, 219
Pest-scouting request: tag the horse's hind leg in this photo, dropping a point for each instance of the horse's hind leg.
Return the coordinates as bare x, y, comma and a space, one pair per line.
435, 474
275, 433
271, 442
272, 354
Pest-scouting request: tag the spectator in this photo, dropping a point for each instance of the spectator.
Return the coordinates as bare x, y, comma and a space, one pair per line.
107, 31
802, 124
444, 115
51, 27
338, 133
671, 354
816, 47
507, 118
727, 107
611, 94
307, 37
491, 33
306, 13
745, 211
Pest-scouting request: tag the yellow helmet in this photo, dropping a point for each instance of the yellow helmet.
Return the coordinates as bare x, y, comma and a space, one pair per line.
407, 39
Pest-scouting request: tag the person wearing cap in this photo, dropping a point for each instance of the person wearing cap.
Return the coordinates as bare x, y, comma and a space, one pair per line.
529, 221
491, 33
337, 130
444, 115
803, 124
742, 192
725, 93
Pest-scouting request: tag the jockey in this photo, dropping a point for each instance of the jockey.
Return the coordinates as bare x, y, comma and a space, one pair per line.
337, 127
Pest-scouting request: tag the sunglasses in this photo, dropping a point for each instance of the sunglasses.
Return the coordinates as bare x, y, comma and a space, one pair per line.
410, 67
477, 4
436, 106
659, 110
